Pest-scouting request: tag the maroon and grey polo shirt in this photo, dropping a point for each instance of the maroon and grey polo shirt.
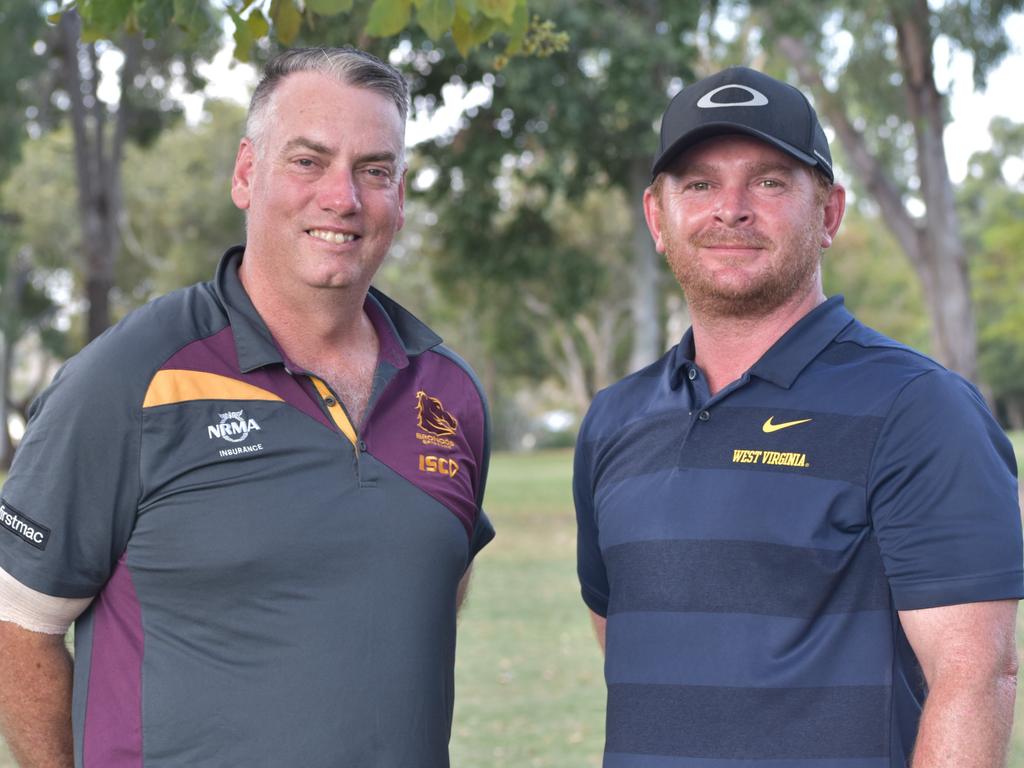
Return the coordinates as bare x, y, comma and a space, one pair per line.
274, 586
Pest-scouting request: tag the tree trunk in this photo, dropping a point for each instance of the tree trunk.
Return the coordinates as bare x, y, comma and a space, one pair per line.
10, 331
647, 343
933, 246
6, 443
97, 164
953, 328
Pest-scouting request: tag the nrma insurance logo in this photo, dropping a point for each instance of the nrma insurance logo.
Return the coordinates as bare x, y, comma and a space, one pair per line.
233, 427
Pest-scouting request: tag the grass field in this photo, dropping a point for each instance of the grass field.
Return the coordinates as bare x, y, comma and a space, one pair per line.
529, 675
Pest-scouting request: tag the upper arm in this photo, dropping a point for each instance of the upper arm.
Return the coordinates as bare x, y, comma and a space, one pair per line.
590, 565
74, 487
36, 611
943, 498
600, 628
970, 639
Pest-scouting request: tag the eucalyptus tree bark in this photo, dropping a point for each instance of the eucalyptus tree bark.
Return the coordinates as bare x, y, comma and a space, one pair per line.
99, 152
933, 244
644, 307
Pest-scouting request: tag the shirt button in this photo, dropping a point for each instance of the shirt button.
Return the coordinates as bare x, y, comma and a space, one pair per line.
703, 415
692, 374
362, 446
330, 402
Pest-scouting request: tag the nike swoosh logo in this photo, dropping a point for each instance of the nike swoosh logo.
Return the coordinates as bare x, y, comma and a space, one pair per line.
769, 427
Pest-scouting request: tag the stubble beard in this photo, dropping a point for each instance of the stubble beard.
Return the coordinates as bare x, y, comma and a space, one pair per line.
790, 274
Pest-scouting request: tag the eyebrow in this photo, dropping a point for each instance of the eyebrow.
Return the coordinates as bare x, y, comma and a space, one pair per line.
304, 143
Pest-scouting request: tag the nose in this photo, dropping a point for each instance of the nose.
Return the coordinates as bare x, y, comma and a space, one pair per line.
339, 192
732, 206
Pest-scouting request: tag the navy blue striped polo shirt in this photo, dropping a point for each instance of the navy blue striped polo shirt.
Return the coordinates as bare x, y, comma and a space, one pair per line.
751, 550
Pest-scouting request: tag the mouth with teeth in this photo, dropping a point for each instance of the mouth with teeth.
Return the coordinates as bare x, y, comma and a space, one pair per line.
329, 236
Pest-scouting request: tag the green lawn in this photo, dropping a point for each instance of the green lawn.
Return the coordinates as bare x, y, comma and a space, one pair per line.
529, 683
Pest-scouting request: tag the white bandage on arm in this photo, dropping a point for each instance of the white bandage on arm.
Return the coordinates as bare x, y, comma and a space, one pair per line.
36, 611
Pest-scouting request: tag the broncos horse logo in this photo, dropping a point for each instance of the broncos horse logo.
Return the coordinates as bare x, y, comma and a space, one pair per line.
432, 417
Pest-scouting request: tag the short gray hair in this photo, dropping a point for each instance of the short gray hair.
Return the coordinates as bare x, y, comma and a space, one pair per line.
347, 65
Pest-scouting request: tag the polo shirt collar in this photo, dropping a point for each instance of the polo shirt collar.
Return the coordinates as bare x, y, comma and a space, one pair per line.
788, 356
256, 346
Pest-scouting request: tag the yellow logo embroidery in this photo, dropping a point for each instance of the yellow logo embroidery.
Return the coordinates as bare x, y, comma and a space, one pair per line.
434, 422
770, 458
769, 427
439, 464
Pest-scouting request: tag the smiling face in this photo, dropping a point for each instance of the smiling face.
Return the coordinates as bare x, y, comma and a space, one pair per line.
742, 226
324, 189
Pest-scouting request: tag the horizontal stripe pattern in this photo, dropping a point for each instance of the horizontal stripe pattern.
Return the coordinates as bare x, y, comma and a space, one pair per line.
744, 577
170, 386
745, 650
690, 504
749, 723
625, 760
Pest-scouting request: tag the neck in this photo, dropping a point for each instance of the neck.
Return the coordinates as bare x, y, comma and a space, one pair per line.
313, 325
726, 347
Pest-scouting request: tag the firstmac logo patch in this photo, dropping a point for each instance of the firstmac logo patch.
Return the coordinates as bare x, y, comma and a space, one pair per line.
25, 527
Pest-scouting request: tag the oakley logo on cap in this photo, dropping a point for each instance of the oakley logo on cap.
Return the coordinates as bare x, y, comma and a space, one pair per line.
757, 99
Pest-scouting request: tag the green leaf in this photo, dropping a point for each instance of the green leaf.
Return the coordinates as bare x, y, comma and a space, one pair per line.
503, 10
287, 20
517, 33
436, 17
469, 32
329, 7
468, 7
188, 14
388, 17
243, 37
258, 25
462, 33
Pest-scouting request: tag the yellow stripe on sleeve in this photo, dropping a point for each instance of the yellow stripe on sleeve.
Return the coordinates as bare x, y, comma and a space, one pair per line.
179, 386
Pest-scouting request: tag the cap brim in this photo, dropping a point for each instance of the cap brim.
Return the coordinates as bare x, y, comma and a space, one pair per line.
709, 130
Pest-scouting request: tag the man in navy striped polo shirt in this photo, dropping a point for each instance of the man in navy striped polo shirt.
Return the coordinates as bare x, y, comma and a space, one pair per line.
800, 540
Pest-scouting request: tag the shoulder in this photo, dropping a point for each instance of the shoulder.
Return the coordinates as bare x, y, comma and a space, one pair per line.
454, 365
640, 395
123, 359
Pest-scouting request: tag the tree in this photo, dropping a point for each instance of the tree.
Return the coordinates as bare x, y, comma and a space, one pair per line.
19, 308
101, 130
470, 23
886, 109
992, 207
576, 123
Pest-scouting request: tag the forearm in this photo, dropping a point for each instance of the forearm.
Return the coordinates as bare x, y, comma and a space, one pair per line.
966, 724
35, 697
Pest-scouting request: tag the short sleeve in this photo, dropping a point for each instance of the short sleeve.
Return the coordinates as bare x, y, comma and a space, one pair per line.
483, 532
589, 562
942, 492
74, 481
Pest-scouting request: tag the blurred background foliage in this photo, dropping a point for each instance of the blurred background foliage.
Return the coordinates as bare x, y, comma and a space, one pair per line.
525, 244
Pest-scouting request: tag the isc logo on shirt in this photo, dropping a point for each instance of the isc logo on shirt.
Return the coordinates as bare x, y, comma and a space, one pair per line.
28, 529
440, 464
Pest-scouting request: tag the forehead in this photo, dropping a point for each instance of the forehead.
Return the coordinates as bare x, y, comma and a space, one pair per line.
318, 106
735, 149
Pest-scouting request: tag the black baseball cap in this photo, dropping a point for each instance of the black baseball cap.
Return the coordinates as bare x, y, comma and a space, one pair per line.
743, 100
